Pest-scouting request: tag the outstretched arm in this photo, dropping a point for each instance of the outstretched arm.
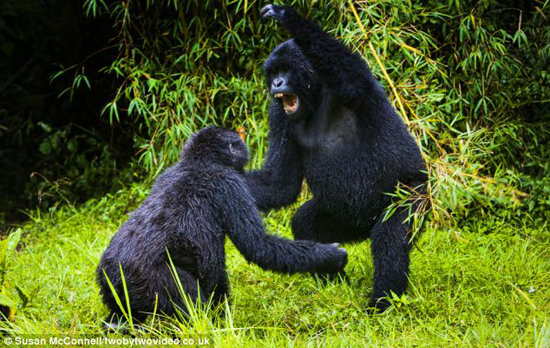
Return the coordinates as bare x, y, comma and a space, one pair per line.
346, 72
246, 230
279, 181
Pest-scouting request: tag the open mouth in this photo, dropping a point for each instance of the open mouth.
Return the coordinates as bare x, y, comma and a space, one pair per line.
290, 102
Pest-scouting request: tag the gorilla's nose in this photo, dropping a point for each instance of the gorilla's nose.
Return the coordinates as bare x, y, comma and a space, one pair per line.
278, 82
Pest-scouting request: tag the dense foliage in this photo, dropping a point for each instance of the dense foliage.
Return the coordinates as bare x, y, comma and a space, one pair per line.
53, 147
95, 93
469, 77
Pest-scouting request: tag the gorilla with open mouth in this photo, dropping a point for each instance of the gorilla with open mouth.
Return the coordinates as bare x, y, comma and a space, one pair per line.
331, 123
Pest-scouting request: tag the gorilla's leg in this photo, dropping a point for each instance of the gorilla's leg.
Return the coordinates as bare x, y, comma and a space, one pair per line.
163, 289
390, 250
311, 223
116, 321
221, 290
168, 291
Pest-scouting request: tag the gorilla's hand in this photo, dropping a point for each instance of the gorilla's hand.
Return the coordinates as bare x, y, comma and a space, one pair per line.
334, 259
279, 13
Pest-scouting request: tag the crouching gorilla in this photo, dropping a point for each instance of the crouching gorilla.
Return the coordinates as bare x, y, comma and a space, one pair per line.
192, 207
332, 123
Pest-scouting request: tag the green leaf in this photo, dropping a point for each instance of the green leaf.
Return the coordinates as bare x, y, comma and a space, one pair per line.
45, 127
72, 145
14, 239
45, 148
3, 248
5, 300
23, 295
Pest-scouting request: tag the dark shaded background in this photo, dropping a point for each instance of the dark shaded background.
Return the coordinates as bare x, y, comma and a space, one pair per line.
36, 37
57, 146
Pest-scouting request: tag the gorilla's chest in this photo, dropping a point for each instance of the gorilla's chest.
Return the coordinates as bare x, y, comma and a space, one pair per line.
333, 154
338, 159
331, 131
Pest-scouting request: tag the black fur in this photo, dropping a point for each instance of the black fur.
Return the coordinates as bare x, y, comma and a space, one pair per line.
346, 140
192, 207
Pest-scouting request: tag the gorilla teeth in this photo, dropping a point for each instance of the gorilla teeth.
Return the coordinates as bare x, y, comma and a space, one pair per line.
289, 100
282, 95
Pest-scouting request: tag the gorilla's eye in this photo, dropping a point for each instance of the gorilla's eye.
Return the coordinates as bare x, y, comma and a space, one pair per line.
234, 147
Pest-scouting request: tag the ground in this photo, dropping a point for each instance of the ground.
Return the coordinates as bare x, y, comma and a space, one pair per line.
485, 284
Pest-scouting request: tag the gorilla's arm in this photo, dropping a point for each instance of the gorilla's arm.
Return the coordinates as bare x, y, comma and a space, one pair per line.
345, 72
279, 181
246, 230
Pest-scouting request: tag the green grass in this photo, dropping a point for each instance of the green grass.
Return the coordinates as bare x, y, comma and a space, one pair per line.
470, 287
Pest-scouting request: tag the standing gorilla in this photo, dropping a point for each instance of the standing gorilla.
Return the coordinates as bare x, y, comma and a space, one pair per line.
191, 208
331, 122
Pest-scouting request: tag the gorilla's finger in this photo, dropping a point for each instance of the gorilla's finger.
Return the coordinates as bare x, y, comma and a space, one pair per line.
268, 15
267, 11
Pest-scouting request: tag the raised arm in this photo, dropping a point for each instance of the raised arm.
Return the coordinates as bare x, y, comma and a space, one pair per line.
246, 230
279, 181
345, 72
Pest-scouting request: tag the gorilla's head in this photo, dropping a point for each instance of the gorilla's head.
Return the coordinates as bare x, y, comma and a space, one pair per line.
291, 80
216, 145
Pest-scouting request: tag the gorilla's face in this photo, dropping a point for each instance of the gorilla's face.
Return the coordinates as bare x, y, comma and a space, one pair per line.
291, 80
218, 145
234, 150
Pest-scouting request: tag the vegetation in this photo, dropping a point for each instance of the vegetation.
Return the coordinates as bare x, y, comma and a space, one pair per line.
469, 77
485, 285
109, 93
456, 71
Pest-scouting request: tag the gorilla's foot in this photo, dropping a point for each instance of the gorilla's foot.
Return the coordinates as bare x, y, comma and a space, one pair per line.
116, 327
123, 328
378, 306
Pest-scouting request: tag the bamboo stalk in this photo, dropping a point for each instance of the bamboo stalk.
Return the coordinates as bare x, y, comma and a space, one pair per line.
380, 64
